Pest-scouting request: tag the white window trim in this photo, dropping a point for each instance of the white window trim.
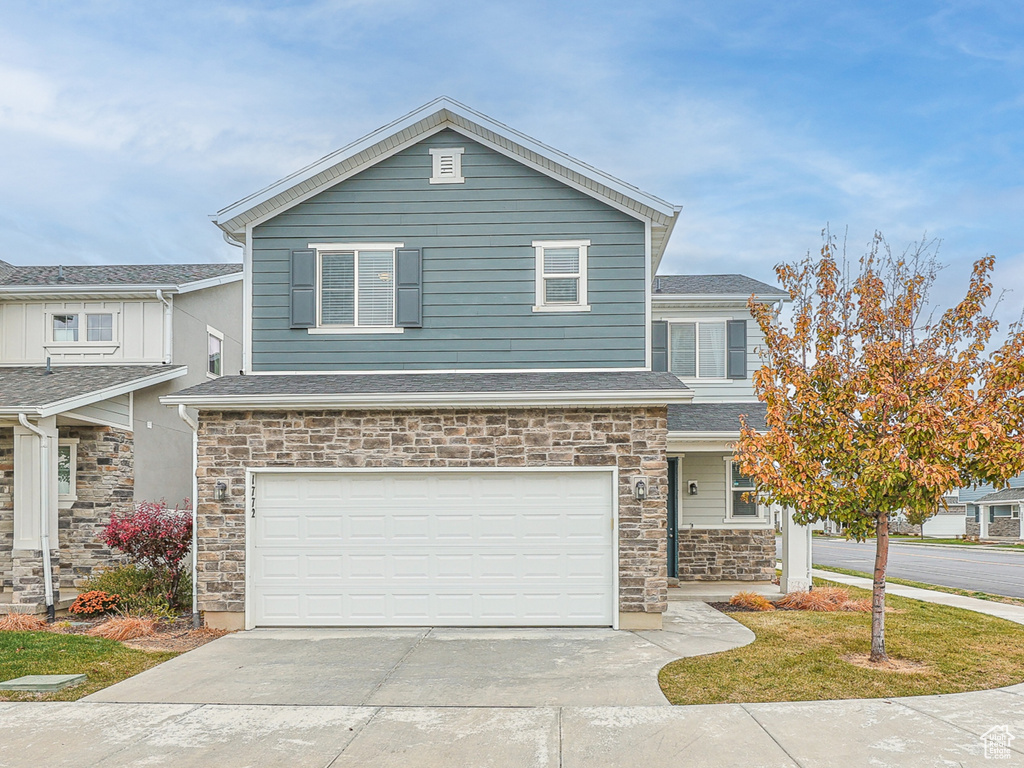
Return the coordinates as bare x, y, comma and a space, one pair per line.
729, 491
64, 501
326, 248
211, 331
436, 153
581, 304
696, 321
83, 330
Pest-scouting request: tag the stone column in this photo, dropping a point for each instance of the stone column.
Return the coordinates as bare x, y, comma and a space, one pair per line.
796, 554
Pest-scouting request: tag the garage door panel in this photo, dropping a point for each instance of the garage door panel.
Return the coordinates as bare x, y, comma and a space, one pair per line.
416, 549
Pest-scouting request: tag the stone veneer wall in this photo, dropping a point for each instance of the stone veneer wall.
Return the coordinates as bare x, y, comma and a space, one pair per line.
726, 554
6, 508
105, 483
1001, 526
633, 439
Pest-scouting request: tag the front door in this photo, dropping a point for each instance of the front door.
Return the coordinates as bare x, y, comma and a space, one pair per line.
673, 513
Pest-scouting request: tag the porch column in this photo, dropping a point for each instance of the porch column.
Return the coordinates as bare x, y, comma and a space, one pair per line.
1020, 520
27, 555
796, 554
982, 521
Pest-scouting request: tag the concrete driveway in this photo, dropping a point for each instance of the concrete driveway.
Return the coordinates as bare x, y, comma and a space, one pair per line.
434, 667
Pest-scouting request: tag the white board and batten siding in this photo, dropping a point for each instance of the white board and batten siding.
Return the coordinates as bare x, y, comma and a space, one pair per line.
26, 335
432, 548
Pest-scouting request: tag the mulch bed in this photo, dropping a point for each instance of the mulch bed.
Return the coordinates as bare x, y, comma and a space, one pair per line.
176, 636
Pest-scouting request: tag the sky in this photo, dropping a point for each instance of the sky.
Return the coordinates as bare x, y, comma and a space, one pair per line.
125, 125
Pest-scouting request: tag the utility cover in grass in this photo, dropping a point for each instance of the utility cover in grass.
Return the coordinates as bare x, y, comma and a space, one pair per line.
41, 683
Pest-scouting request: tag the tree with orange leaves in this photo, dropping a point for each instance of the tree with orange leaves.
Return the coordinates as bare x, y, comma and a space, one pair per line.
874, 405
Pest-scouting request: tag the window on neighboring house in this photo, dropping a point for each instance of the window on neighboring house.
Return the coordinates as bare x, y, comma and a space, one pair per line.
65, 327
561, 275
215, 352
743, 502
99, 327
67, 460
357, 288
698, 350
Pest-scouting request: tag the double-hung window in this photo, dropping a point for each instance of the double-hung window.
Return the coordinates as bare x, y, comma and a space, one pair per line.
215, 352
357, 287
561, 275
67, 327
698, 350
742, 492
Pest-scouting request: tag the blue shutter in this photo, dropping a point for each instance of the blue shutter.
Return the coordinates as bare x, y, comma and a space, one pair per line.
736, 336
303, 289
408, 288
659, 346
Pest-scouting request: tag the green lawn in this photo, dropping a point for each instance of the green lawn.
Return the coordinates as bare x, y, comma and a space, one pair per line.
797, 656
47, 653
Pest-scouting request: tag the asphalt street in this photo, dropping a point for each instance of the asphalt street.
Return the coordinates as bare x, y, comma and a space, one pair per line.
997, 572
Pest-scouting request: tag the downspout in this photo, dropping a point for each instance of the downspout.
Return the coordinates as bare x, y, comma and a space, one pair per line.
194, 426
44, 527
168, 320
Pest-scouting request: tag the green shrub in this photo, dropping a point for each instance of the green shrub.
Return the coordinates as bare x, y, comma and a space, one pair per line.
143, 591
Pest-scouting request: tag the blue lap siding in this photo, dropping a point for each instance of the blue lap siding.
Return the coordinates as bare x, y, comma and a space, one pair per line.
478, 269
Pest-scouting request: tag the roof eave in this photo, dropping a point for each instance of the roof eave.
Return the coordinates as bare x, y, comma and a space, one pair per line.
432, 399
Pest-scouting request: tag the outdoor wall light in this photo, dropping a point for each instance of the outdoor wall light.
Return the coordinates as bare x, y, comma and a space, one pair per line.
220, 491
640, 488
692, 487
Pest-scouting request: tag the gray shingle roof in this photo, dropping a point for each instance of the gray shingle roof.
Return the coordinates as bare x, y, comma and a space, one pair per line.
715, 417
712, 285
113, 274
420, 383
1005, 495
31, 387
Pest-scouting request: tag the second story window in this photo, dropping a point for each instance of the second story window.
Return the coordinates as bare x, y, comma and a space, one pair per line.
561, 275
67, 328
697, 350
215, 352
357, 288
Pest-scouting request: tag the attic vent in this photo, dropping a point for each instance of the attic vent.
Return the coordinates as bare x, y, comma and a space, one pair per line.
447, 165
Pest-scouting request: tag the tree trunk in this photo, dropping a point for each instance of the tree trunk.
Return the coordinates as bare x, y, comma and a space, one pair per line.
878, 591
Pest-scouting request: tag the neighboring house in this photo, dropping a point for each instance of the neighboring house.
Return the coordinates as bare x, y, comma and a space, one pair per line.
992, 513
705, 332
85, 354
456, 401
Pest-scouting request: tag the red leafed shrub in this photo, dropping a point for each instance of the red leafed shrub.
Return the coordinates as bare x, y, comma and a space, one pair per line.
155, 537
752, 601
94, 603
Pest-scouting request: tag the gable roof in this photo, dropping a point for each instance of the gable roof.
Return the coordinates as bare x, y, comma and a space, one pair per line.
437, 115
33, 391
713, 285
1007, 494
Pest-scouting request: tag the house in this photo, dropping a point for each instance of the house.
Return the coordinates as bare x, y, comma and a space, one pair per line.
85, 354
990, 514
457, 405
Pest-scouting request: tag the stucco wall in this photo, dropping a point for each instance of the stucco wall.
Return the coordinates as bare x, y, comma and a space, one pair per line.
632, 439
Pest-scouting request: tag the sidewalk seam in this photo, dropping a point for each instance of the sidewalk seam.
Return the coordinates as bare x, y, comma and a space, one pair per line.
770, 735
959, 727
391, 671
361, 728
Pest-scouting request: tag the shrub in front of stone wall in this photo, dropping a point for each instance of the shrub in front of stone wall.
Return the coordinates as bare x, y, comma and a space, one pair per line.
142, 590
94, 602
156, 538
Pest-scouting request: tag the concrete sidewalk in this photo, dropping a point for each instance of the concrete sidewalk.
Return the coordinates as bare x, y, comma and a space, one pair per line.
902, 733
1014, 613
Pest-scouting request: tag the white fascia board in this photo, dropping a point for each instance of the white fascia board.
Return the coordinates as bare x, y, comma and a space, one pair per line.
716, 298
211, 282
657, 254
71, 403
470, 115
429, 399
71, 290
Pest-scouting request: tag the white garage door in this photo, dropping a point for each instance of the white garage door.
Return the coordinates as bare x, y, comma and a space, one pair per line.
945, 526
474, 548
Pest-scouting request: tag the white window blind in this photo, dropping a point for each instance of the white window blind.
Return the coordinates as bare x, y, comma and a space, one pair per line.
697, 350
65, 327
357, 288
